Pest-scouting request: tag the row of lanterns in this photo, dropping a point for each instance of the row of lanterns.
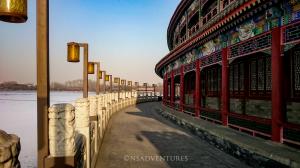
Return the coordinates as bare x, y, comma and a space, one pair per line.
74, 56
15, 11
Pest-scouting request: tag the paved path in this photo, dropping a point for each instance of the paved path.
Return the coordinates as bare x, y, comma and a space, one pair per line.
138, 137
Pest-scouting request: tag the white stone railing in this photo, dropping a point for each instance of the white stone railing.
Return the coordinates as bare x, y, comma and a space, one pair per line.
78, 130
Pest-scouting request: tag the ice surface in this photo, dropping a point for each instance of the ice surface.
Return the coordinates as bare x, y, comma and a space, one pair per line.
18, 116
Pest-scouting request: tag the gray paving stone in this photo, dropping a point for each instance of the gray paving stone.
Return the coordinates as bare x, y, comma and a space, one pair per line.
138, 133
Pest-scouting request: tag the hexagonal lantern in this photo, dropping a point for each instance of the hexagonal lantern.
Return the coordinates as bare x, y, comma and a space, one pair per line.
13, 11
73, 52
91, 68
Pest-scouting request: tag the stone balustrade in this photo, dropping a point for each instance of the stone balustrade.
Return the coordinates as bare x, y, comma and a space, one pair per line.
75, 131
79, 130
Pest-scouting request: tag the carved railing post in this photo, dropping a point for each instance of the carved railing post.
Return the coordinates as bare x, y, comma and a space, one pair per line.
82, 125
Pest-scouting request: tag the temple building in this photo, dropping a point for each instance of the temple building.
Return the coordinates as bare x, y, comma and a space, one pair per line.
235, 63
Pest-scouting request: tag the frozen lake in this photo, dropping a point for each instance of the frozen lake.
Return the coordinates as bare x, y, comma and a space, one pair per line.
18, 116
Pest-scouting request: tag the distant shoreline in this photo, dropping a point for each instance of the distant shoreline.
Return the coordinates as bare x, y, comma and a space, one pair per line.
14, 86
11, 90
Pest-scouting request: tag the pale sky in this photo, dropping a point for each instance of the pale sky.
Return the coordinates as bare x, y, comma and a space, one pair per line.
128, 37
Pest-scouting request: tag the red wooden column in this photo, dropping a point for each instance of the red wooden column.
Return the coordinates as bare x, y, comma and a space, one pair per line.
225, 87
172, 88
164, 88
181, 87
167, 86
197, 89
278, 105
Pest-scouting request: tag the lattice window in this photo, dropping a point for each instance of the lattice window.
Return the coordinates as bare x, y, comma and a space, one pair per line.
253, 75
190, 67
297, 71
231, 79
292, 33
213, 81
261, 42
203, 83
260, 76
209, 10
177, 91
219, 83
268, 74
295, 68
211, 59
237, 79
169, 90
225, 3
241, 76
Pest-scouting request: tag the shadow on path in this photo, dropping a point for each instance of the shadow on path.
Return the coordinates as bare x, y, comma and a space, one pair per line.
139, 137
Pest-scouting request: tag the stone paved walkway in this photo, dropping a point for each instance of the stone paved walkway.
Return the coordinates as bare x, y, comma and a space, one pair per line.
138, 137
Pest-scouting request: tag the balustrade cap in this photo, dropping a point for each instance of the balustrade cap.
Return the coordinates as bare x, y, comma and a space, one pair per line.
56, 108
82, 100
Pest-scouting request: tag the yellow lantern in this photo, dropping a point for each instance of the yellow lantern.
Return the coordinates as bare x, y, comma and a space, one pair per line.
123, 82
73, 52
116, 80
100, 74
106, 77
14, 11
91, 68
129, 83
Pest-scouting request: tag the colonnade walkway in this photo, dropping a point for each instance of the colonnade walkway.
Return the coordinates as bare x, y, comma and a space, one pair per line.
139, 137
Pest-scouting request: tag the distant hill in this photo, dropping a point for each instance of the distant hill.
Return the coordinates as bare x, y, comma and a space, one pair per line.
74, 85
12, 85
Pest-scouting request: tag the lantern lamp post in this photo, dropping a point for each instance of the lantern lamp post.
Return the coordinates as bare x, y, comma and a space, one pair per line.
123, 85
117, 80
103, 73
43, 79
91, 70
146, 85
130, 84
74, 56
15, 11
154, 89
106, 79
111, 83
99, 77
137, 87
